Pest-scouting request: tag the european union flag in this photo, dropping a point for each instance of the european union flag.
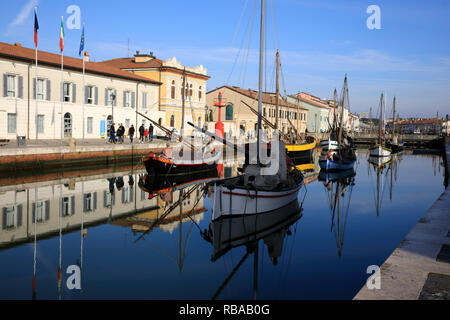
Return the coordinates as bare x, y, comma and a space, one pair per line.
82, 43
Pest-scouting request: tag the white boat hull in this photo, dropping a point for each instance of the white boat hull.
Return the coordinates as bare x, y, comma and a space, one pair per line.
329, 145
379, 152
242, 201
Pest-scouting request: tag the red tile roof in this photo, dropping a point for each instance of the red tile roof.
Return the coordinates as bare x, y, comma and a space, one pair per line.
267, 97
17, 52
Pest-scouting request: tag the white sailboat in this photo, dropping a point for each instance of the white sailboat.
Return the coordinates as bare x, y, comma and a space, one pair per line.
259, 189
379, 150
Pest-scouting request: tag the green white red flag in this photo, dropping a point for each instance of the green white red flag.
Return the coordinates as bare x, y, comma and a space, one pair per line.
61, 36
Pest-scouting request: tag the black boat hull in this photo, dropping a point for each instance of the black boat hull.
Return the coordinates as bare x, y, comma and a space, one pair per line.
156, 167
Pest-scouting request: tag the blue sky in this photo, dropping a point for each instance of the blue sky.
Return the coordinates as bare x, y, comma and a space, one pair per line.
319, 42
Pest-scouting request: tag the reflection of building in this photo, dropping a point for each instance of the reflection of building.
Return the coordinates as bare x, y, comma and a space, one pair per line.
170, 73
47, 201
110, 94
240, 120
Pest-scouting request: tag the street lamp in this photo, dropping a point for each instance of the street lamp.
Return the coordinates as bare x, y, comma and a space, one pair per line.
113, 98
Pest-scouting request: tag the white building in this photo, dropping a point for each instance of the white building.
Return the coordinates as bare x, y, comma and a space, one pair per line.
106, 95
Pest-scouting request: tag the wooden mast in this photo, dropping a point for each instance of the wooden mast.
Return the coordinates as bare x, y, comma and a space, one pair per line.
260, 82
394, 140
277, 91
341, 121
380, 124
183, 97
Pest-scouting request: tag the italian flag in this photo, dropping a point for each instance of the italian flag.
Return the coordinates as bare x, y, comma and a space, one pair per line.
61, 36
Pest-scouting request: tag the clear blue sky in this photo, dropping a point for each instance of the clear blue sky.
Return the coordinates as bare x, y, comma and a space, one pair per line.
319, 42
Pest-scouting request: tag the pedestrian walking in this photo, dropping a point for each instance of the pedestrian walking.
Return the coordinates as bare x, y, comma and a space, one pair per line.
121, 132
150, 132
146, 133
141, 133
112, 134
131, 133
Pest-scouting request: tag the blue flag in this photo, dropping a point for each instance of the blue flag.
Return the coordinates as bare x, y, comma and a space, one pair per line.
82, 43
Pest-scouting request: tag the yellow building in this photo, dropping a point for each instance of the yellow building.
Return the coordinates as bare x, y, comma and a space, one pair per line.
170, 74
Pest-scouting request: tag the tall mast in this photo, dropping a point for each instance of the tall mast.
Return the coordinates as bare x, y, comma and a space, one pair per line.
341, 121
277, 92
261, 46
380, 121
183, 102
393, 122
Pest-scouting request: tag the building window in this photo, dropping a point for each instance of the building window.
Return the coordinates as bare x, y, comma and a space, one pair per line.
89, 202
127, 99
40, 89
125, 195
90, 121
190, 91
66, 92
172, 121
172, 90
40, 123
200, 93
127, 123
9, 212
229, 112
90, 95
108, 199
109, 97
11, 86
12, 122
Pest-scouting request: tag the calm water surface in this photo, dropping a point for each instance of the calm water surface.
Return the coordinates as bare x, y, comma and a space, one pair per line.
128, 249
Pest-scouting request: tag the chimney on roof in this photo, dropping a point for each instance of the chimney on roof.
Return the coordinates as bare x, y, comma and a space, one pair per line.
142, 58
16, 44
86, 56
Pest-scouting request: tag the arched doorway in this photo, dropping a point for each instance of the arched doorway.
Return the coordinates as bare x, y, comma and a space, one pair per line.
68, 125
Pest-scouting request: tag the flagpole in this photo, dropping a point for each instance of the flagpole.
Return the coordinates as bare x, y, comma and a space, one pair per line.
61, 42
36, 73
84, 88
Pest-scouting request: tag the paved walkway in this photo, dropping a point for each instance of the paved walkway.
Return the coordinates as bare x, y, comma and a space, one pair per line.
420, 267
57, 146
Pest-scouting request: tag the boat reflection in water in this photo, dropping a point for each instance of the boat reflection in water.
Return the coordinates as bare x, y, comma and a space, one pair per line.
339, 186
236, 230
386, 170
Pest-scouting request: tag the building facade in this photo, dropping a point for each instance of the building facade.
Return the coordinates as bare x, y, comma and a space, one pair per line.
171, 73
106, 95
238, 118
318, 111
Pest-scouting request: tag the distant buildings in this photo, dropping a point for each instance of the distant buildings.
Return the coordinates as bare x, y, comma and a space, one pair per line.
318, 115
238, 118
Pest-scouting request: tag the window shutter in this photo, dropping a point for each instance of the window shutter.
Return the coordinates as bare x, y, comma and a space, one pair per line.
4, 219
84, 203
34, 88
105, 195
5, 85
124, 98
106, 96
49, 90
72, 202
123, 195
95, 201
47, 210
33, 212
133, 96
74, 93
96, 95
19, 215
115, 100
86, 92
113, 199
20, 87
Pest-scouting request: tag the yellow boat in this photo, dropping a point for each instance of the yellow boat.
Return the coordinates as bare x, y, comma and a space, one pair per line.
301, 153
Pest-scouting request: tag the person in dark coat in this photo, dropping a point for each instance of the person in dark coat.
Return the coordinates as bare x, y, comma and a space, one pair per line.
131, 133
150, 131
141, 133
112, 134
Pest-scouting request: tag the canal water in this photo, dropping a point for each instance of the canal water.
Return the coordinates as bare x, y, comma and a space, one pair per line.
129, 244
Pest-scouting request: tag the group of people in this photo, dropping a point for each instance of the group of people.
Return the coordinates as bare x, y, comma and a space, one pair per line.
146, 135
117, 136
